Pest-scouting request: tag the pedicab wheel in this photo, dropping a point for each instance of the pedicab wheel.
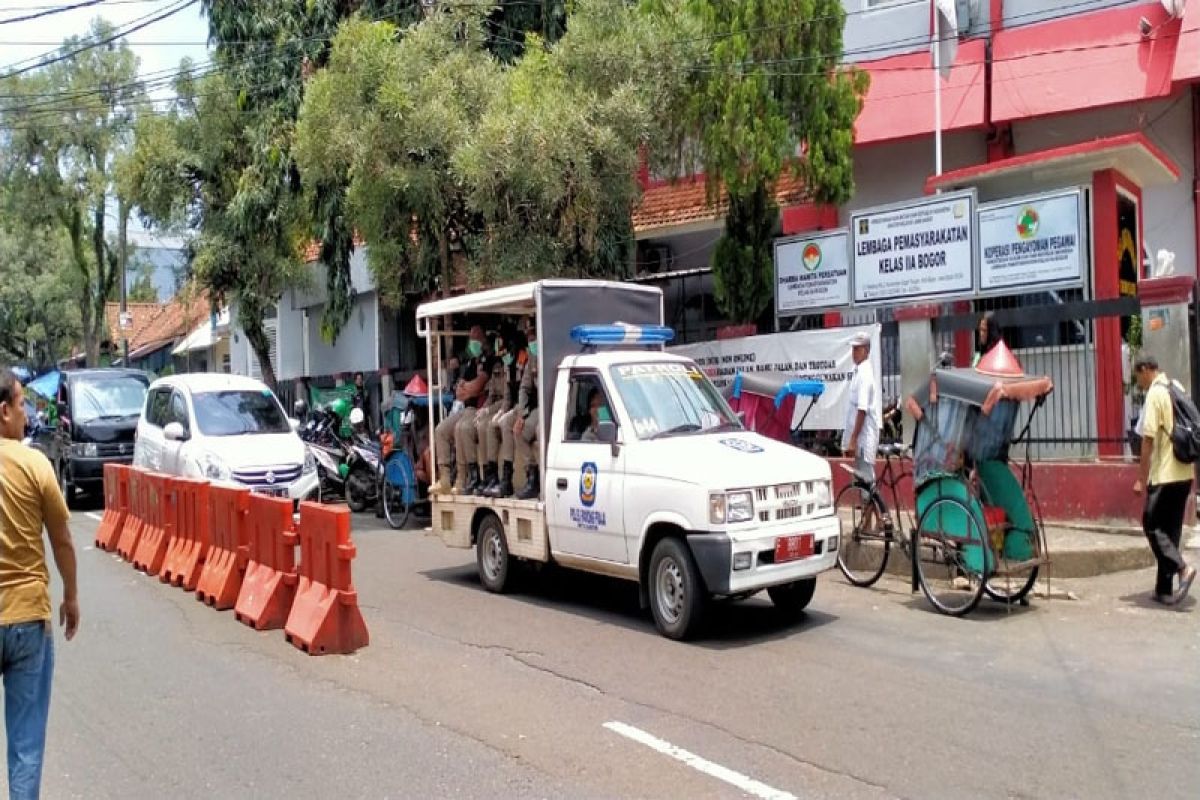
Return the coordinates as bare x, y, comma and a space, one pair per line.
862, 557
395, 508
492, 555
1000, 588
948, 550
678, 597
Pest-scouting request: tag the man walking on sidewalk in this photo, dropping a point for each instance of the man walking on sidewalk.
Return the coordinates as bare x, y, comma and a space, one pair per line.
1167, 482
29, 501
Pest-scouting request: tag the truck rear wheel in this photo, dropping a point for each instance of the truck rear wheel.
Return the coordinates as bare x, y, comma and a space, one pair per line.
678, 597
792, 598
491, 549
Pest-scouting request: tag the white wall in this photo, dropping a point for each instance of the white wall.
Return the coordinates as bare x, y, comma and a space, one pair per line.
357, 347
894, 172
1169, 214
1026, 12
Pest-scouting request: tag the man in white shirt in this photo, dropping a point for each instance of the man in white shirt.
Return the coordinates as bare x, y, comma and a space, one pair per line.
860, 435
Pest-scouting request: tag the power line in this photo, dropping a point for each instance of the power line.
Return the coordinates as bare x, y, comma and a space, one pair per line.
141, 22
50, 12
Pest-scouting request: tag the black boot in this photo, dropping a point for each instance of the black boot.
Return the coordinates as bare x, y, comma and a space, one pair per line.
503, 487
491, 479
532, 488
472, 484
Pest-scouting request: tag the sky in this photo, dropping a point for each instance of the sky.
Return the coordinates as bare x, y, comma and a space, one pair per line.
159, 46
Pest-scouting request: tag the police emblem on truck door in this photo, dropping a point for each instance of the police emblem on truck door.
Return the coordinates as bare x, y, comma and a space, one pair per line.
588, 475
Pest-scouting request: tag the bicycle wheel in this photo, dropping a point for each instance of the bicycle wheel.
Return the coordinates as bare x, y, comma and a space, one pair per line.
862, 555
949, 550
399, 490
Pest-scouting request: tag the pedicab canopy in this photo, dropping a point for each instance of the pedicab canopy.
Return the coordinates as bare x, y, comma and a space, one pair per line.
767, 401
998, 376
970, 412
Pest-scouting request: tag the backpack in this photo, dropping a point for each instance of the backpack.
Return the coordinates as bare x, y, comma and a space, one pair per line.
1185, 436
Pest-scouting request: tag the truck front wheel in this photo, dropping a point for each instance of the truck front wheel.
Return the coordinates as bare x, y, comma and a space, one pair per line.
792, 598
678, 597
492, 555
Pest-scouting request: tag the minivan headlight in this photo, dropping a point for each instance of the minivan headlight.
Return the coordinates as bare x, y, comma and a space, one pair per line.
310, 463
822, 494
214, 468
730, 507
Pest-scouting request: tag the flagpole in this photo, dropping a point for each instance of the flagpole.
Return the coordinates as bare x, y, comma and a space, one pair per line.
937, 93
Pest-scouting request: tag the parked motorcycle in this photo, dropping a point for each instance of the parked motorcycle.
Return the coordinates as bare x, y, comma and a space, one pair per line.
320, 434
365, 461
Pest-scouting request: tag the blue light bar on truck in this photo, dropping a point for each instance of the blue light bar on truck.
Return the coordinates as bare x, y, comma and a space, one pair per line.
621, 333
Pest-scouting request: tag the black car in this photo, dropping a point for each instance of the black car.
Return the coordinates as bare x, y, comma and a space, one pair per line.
98, 411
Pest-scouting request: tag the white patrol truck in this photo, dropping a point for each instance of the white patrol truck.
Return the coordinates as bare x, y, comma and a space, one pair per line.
646, 473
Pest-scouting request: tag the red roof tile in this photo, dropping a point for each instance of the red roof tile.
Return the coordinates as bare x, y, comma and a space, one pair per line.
684, 202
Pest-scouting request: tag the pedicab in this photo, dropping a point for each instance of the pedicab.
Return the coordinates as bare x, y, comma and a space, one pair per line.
766, 402
979, 526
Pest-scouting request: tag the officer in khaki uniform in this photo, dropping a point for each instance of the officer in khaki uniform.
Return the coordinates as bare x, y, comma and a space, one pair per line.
501, 432
525, 429
456, 433
496, 395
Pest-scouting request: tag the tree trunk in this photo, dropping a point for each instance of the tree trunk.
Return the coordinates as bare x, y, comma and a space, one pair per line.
257, 336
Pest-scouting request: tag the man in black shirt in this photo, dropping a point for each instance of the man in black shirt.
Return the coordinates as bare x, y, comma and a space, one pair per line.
457, 431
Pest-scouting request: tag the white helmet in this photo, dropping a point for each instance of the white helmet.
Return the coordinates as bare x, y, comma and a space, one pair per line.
357, 417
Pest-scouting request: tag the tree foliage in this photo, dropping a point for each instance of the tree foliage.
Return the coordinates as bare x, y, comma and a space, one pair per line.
66, 126
39, 309
524, 168
766, 98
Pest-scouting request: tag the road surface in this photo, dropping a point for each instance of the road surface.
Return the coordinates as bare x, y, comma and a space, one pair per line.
565, 690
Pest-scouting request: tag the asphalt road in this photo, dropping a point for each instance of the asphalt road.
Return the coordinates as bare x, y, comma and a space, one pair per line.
565, 690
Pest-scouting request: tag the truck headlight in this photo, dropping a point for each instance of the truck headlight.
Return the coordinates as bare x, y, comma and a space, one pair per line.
822, 494
214, 468
739, 507
88, 450
730, 507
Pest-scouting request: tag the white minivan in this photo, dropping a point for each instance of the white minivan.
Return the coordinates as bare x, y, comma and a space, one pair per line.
223, 428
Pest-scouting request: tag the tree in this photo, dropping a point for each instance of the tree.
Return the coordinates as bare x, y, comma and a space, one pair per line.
65, 127
767, 97
526, 169
141, 289
39, 313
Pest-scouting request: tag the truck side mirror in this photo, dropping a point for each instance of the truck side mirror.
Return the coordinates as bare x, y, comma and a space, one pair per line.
606, 431
174, 432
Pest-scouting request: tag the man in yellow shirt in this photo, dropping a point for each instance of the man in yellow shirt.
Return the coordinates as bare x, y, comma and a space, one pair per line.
29, 501
1167, 482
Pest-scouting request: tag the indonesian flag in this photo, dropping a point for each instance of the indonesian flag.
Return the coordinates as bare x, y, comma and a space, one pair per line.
946, 34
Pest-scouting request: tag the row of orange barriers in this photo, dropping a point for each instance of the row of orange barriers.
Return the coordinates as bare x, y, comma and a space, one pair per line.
237, 550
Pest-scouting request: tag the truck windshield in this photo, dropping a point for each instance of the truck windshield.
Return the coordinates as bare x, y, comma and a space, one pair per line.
235, 413
115, 398
671, 398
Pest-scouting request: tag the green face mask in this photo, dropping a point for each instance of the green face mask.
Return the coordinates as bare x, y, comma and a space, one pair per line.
602, 414
533, 349
474, 348
508, 359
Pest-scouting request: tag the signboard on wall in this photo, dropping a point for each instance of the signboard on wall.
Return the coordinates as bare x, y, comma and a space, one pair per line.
812, 272
1032, 241
821, 354
918, 250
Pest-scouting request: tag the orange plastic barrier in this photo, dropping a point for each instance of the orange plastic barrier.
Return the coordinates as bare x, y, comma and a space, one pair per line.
225, 562
160, 525
325, 617
190, 538
135, 520
116, 506
269, 587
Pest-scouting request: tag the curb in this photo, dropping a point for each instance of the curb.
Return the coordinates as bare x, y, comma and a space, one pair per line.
1065, 564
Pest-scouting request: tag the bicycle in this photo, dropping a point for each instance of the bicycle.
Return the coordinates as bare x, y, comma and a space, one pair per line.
871, 548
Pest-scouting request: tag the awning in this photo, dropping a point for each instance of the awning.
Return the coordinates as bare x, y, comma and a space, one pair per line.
899, 101
205, 336
1132, 154
1085, 61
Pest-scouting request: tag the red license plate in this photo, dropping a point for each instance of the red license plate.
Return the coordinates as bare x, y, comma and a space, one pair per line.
790, 548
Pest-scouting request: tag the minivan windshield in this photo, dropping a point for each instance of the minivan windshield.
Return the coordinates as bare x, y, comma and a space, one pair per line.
233, 413
109, 398
671, 398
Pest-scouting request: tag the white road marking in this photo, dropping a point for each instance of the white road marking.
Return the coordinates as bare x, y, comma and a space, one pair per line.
95, 516
743, 782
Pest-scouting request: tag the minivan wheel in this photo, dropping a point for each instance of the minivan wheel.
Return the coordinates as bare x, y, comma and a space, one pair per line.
65, 486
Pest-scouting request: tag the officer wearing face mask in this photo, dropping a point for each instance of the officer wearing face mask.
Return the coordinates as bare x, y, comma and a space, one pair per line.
499, 367
456, 433
502, 440
525, 427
